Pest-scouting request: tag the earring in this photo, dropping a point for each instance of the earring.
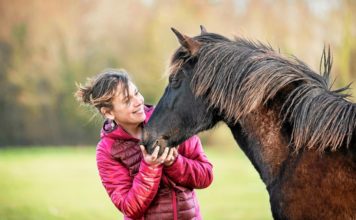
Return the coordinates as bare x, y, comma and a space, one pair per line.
113, 124
109, 125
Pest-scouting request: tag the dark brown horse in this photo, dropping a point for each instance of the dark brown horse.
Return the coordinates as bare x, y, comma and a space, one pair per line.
298, 133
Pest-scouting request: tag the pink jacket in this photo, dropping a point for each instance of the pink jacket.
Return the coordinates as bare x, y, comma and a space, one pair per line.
143, 192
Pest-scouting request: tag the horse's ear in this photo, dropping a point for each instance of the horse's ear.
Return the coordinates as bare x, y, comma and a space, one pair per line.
202, 30
188, 43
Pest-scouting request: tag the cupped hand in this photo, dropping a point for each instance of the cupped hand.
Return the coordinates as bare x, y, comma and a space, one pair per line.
153, 159
171, 157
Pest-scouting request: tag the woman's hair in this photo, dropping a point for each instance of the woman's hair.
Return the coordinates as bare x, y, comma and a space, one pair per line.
100, 90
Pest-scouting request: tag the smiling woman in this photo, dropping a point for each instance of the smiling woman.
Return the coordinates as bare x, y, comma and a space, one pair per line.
141, 185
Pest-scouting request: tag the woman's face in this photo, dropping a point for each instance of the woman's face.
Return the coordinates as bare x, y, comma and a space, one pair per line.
128, 109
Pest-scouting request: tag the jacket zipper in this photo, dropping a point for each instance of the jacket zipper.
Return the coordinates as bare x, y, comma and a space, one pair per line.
174, 200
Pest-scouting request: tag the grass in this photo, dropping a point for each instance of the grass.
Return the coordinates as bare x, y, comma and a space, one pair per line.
62, 183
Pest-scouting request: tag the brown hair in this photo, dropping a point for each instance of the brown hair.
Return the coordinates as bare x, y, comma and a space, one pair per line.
238, 77
100, 90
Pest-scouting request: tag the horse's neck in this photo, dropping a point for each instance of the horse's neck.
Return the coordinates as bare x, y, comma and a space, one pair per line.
259, 136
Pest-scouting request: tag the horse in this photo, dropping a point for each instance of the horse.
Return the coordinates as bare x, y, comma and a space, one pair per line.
298, 133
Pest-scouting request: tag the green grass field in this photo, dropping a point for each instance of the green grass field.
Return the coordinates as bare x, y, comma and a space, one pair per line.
62, 183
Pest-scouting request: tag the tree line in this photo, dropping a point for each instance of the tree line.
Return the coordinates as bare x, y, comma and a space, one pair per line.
48, 46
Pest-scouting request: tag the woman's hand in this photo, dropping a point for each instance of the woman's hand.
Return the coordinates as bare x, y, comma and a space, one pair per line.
153, 159
172, 156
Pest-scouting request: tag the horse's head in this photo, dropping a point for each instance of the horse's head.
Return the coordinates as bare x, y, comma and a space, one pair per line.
180, 113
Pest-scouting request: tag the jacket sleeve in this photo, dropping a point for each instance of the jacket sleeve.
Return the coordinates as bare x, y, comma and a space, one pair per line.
131, 195
191, 168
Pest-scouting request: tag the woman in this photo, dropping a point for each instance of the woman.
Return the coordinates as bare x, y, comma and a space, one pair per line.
140, 185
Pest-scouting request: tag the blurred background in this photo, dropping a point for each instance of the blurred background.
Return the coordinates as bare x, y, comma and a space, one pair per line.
47, 140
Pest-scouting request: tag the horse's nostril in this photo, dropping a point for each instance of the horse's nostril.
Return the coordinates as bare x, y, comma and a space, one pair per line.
165, 137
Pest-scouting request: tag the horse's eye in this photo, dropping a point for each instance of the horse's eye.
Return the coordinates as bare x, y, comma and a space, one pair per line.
175, 83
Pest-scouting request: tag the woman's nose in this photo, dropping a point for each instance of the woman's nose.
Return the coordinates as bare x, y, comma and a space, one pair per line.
138, 100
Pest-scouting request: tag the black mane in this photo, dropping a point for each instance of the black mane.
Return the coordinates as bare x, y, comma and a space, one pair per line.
237, 77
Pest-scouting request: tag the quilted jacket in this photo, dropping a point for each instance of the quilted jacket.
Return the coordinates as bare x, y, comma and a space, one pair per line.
140, 191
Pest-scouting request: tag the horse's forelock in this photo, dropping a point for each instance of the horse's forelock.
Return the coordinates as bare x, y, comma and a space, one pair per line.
174, 67
181, 55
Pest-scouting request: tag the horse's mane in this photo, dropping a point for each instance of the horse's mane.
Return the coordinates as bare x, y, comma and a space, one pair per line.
236, 77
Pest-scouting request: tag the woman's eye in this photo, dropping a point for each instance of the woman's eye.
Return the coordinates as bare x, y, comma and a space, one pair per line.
127, 101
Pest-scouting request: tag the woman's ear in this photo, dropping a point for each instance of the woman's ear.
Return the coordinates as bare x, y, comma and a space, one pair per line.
107, 113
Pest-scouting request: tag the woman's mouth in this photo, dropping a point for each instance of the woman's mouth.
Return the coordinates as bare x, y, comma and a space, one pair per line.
139, 111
